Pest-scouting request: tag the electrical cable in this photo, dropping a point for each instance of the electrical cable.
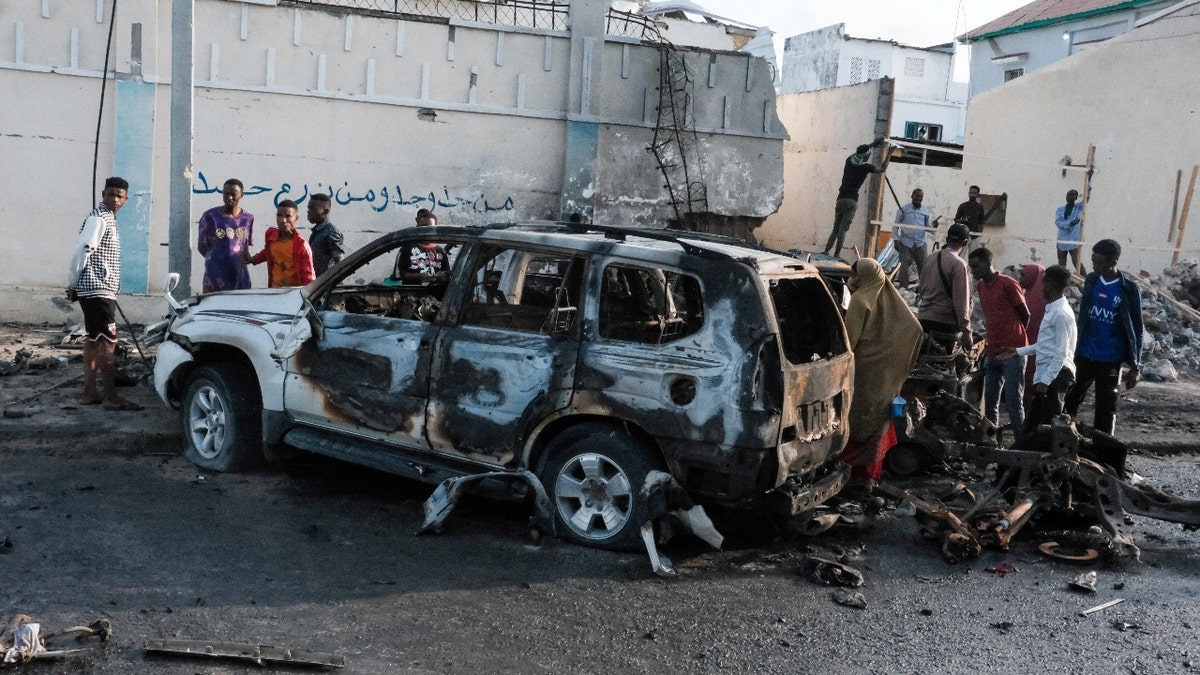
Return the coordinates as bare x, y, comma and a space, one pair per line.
112, 22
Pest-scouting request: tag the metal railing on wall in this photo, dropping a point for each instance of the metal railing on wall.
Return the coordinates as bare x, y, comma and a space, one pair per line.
521, 13
631, 25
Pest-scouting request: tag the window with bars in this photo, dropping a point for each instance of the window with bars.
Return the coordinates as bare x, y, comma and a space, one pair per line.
914, 67
1013, 73
874, 69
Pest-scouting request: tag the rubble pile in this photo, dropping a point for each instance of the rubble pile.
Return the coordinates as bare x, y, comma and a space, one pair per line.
1168, 310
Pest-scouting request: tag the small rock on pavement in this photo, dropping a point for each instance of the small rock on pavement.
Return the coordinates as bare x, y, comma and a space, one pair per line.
850, 599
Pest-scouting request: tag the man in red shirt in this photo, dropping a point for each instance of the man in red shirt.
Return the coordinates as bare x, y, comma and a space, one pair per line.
1005, 317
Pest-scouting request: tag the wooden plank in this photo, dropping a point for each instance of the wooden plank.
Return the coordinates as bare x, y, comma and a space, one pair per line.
1087, 192
1183, 217
1175, 206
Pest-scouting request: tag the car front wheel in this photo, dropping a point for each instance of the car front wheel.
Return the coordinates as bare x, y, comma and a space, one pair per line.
593, 476
222, 418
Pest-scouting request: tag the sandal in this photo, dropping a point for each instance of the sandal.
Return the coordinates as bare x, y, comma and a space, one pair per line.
124, 404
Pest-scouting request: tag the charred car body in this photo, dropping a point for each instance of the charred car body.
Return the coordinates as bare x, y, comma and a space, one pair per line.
588, 357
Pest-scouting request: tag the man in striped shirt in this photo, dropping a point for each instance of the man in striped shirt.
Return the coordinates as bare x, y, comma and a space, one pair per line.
95, 279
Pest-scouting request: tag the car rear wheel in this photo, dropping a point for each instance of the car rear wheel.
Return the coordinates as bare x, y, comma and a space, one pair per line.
593, 476
222, 418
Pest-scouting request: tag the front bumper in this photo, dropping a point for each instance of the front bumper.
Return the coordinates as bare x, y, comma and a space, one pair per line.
170, 357
794, 498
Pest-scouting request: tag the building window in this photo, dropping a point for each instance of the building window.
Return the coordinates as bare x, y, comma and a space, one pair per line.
873, 69
1013, 73
921, 131
856, 70
914, 67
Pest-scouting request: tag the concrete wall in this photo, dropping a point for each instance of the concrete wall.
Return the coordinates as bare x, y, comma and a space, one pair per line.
479, 123
1047, 44
1142, 118
825, 127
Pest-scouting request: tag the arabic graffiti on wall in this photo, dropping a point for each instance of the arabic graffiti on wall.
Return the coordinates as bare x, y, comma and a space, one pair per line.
377, 200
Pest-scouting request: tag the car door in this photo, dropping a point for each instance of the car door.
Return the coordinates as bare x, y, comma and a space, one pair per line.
366, 372
509, 360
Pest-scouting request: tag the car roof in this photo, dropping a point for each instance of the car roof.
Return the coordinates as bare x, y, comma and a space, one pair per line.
650, 244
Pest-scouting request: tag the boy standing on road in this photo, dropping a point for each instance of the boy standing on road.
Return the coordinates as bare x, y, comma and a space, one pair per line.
1006, 316
1054, 370
95, 279
324, 239
226, 234
289, 257
1110, 336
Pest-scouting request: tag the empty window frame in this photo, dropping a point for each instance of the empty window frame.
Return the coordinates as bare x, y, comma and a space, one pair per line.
523, 290
650, 306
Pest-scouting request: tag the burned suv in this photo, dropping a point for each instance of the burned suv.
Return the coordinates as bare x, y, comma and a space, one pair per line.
589, 357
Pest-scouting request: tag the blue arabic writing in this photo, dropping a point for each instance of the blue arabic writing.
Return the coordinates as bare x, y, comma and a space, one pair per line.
377, 200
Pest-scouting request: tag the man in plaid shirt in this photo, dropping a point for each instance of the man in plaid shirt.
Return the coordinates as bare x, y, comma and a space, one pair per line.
95, 279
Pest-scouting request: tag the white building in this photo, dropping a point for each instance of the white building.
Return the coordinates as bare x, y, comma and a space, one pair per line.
929, 104
1045, 31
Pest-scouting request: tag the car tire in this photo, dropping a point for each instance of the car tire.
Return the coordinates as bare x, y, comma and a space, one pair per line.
221, 418
593, 475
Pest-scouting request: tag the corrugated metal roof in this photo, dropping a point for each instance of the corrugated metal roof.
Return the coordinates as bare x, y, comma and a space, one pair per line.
1046, 12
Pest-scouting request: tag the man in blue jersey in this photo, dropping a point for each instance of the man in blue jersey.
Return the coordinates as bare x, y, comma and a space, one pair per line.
1110, 336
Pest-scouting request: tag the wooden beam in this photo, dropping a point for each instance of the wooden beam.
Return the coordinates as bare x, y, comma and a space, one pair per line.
1187, 205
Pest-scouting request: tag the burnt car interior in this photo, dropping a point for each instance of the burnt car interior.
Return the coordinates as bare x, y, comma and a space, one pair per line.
370, 289
528, 291
811, 331
647, 305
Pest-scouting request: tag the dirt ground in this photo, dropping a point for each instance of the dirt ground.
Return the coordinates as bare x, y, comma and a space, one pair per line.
102, 517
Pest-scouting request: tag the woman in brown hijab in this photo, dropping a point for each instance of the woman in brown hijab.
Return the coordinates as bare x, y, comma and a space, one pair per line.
885, 338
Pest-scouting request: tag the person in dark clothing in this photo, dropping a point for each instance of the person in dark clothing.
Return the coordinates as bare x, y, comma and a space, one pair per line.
972, 214
1110, 336
854, 174
325, 239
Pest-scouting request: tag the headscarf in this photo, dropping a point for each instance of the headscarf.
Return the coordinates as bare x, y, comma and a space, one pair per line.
1031, 283
885, 338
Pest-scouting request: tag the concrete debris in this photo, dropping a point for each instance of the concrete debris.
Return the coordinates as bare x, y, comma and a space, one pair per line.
850, 599
1084, 583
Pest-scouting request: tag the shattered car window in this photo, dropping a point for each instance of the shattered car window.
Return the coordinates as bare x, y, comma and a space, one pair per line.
529, 291
650, 306
371, 288
808, 322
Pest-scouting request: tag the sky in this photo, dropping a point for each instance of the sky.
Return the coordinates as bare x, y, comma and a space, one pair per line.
920, 23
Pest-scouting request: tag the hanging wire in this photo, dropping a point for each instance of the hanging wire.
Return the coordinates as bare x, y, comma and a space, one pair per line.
112, 22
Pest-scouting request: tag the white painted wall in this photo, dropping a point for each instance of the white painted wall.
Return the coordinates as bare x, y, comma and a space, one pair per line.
319, 100
827, 57
1139, 112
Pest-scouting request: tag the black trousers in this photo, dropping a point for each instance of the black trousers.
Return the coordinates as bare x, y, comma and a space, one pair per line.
1106, 376
1044, 407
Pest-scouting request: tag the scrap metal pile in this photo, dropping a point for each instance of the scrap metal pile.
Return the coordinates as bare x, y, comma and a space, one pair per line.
1066, 475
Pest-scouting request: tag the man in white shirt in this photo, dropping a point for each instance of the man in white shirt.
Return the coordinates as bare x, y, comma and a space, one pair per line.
1054, 369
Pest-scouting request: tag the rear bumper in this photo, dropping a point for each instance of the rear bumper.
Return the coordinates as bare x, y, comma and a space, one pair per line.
794, 498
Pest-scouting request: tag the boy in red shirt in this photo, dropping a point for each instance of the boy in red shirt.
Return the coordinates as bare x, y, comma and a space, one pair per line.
1006, 317
290, 258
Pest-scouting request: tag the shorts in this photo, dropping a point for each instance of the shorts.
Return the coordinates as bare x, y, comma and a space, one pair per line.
99, 318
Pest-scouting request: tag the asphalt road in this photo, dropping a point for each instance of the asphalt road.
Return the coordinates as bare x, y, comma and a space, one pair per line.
105, 518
